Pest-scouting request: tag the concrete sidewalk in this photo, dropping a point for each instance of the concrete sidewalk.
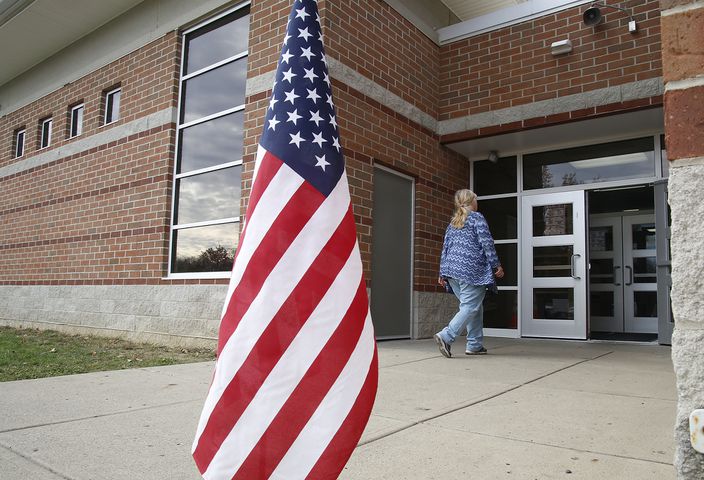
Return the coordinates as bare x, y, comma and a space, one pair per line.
531, 409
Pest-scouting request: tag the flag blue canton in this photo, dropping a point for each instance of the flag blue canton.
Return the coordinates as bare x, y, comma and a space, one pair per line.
300, 127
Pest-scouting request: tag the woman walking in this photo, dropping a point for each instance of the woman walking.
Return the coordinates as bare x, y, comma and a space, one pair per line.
468, 264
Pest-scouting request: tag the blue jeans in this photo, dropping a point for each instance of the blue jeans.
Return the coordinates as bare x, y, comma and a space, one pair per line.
469, 315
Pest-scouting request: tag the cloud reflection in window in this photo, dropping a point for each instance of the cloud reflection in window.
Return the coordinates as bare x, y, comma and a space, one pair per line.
209, 196
216, 42
211, 143
214, 91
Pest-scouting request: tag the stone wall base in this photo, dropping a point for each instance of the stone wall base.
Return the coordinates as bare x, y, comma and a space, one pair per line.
431, 312
178, 315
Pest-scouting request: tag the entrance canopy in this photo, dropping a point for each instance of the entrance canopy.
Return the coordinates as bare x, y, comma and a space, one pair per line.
597, 130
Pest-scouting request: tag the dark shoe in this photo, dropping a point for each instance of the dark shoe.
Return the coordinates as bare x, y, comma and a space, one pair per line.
481, 351
443, 346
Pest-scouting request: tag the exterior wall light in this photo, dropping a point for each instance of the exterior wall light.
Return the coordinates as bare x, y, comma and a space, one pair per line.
493, 156
592, 16
563, 46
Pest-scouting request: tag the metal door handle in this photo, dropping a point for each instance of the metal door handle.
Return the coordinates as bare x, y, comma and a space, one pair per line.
618, 284
572, 266
630, 275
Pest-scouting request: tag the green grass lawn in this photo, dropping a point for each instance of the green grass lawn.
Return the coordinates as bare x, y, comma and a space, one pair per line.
29, 353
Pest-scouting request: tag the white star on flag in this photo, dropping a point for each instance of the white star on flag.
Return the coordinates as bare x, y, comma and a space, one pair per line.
293, 116
310, 75
291, 96
321, 162
297, 139
289, 75
313, 95
305, 52
315, 117
302, 14
285, 57
303, 32
318, 138
273, 122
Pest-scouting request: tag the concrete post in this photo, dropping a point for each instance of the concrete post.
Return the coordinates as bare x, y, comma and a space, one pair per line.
682, 24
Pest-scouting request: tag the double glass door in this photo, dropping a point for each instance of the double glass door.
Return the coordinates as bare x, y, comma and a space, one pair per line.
623, 281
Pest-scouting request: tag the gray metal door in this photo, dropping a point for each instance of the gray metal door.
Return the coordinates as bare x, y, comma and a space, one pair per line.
392, 254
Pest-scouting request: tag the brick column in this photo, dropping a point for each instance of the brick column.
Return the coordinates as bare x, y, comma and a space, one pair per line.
683, 74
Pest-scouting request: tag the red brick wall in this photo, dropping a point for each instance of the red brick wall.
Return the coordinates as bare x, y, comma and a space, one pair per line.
145, 76
373, 39
366, 35
513, 66
683, 57
100, 216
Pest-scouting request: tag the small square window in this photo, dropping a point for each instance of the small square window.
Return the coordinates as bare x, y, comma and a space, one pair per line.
45, 137
19, 142
112, 106
76, 126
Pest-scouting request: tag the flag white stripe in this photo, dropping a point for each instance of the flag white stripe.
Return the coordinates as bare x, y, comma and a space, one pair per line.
273, 200
288, 372
332, 411
276, 289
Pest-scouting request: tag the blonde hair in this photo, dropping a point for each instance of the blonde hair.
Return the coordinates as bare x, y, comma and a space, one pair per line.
463, 204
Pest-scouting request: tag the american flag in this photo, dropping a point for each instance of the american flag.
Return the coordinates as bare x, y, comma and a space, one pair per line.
296, 373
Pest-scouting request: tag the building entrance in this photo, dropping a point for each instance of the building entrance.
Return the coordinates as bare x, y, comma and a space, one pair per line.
623, 286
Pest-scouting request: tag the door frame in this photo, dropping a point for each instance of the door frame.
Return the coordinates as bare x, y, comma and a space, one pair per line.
411, 324
575, 328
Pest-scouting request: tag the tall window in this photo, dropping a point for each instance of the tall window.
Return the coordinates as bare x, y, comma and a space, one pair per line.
496, 185
206, 216
76, 123
45, 133
19, 142
112, 106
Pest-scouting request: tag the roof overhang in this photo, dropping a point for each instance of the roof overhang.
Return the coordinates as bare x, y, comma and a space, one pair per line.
33, 30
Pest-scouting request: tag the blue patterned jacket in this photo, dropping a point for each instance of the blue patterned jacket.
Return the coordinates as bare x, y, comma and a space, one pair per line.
468, 253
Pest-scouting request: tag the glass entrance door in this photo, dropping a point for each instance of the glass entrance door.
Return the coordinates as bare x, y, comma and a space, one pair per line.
623, 281
640, 287
605, 275
554, 266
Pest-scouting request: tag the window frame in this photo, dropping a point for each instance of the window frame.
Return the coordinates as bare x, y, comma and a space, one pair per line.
45, 135
175, 227
110, 107
20, 146
71, 124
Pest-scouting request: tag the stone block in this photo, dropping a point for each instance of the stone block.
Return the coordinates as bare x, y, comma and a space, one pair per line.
684, 122
683, 44
651, 87
688, 361
687, 255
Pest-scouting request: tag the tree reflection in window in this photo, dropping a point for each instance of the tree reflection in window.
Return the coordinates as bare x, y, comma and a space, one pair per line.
206, 216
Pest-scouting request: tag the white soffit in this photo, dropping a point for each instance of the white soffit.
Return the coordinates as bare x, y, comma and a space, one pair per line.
466, 9
33, 30
479, 16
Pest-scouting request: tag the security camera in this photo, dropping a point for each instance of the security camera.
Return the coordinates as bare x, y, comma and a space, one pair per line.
592, 16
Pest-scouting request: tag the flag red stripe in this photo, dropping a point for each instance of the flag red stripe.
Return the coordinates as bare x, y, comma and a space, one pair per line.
275, 339
288, 224
268, 168
312, 389
329, 465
